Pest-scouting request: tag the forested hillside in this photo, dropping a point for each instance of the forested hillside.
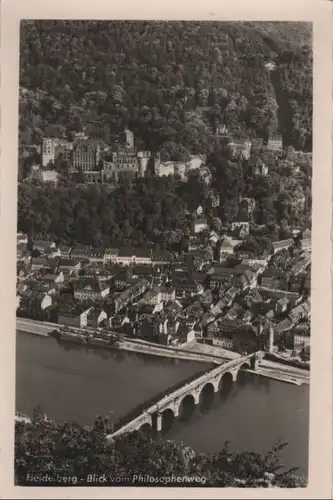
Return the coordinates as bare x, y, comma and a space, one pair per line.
167, 81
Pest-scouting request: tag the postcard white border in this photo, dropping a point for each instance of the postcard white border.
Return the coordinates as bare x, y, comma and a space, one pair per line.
316, 11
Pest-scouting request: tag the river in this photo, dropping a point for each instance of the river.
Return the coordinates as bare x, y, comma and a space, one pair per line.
70, 382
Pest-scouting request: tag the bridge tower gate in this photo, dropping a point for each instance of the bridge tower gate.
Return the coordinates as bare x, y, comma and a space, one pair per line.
254, 362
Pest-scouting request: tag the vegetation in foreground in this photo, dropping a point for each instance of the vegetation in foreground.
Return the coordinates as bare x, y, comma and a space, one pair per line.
44, 447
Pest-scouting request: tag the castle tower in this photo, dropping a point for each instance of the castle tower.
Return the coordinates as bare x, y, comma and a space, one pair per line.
48, 151
143, 157
129, 138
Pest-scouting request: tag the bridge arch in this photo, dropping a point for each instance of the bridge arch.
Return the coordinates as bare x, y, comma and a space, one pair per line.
168, 416
242, 374
208, 386
207, 393
146, 428
225, 379
187, 404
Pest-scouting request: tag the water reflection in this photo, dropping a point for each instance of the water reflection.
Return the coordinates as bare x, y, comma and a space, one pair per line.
207, 398
187, 408
210, 400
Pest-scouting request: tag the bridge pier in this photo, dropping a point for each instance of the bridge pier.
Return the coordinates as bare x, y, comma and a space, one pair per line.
159, 422
220, 376
196, 396
216, 384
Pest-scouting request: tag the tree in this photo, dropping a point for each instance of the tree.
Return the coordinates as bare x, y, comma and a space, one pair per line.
45, 447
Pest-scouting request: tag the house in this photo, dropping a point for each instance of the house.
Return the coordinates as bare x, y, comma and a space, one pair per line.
206, 174
199, 225
253, 297
128, 256
214, 199
301, 265
260, 168
96, 255
164, 169
54, 278
241, 229
74, 314
132, 293
227, 247
110, 255
86, 155
149, 328
45, 286
195, 162
185, 286
90, 289
168, 294
243, 276
282, 245
152, 297
124, 278
68, 266
96, 316
275, 143
21, 239
223, 341
213, 238
235, 312
307, 282
301, 337
282, 305
247, 204
245, 337
43, 246
85, 252
274, 278
159, 258
282, 327
46, 175
64, 251
219, 275
300, 311
37, 263
49, 146
306, 244
296, 283
33, 303
240, 148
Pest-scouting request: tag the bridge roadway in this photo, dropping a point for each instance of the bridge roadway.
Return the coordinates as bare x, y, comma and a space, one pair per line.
173, 400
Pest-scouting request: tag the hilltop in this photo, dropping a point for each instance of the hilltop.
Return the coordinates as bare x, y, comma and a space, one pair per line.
167, 81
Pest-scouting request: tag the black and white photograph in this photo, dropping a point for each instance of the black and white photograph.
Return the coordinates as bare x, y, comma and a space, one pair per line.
163, 253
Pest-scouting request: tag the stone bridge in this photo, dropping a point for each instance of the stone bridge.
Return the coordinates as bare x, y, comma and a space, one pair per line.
216, 377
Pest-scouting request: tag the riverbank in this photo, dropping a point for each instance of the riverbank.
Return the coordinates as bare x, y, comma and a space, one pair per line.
193, 352
125, 343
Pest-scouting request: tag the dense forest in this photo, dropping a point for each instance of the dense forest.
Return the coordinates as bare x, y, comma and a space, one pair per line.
168, 81
174, 84
160, 211
46, 448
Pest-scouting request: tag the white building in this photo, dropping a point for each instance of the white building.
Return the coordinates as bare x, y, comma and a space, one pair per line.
48, 150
